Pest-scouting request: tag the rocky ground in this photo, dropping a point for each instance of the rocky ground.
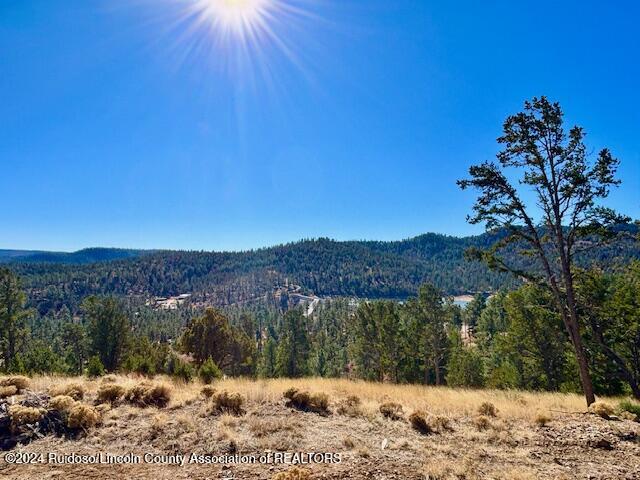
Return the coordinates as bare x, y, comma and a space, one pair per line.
358, 440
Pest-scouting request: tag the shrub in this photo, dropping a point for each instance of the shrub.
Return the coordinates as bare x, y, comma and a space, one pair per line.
8, 391
465, 368
630, 407
110, 392
391, 410
140, 364
418, 421
542, 419
290, 392
440, 423
209, 371
62, 403
95, 368
482, 422
111, 378
307, 402
145, 394
488, 409
294, 473
19, 381
207, 391
350, 406
225, 402
179, 369
82, 416
73, 390
602, 409
20, 415
348, 442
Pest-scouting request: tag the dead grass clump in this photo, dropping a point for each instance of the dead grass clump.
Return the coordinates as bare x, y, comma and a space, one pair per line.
110, 392
602, 409
542, 419
111, 378
350, 406
427, 423
488, 409
207, 391
308, 402
62, 403
8, 391
158, 425
482, 422
82, 416
225, 402
147, 394
20, 415
294, 473
440, 423
264, 428
418, 421
391, 410
348, 442
19, 381
73, 390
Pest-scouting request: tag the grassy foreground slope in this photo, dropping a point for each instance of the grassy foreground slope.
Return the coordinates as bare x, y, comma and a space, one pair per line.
463, 434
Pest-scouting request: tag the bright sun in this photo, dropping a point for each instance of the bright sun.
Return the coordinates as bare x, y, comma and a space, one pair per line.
245, 18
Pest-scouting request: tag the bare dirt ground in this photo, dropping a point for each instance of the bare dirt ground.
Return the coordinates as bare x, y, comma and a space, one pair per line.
513, 444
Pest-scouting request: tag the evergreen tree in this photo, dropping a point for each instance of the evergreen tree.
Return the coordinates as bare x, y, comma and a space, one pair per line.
267, 362
464, 368
12, 317
611, 307
376, 347
554, 165
108, 330
209, 336
292, 358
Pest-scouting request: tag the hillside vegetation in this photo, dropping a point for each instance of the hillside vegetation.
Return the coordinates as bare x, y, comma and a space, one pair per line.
376, 430
366, 269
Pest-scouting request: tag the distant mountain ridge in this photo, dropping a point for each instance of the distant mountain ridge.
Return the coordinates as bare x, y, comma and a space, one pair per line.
86, 255
325, 267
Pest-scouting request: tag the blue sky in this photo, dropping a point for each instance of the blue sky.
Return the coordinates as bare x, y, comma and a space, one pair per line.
114, 131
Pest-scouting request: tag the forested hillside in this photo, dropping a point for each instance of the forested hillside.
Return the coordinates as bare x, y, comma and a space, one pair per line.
324, 267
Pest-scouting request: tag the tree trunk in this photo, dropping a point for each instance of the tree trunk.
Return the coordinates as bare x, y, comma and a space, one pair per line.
574, 331
583, 366
437, 369
619, 362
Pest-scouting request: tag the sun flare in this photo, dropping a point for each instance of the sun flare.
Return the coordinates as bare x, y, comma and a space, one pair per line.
244, 18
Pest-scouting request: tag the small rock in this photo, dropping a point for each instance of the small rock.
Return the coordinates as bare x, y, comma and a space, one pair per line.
602, 443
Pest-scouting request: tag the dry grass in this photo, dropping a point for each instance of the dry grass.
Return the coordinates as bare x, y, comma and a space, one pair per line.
307, 402
482, 422
370, 445
8, 391
83, 416
146, 394
21, 415
602, 409
295, 473
62, 403
74, 390
419, 422
207, 391
19, 381
436, 400
488, 409
542, 419
391, 410
350, 406
225, 402
110, 393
